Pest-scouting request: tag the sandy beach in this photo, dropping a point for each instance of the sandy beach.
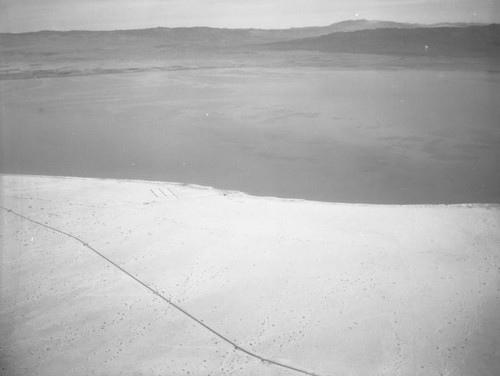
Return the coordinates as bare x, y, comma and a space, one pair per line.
332, 289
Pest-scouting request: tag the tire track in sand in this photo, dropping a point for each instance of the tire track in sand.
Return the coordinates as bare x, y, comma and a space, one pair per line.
236, 346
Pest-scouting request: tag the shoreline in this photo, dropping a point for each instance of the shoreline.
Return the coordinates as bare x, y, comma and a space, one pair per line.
433, 67
250, 196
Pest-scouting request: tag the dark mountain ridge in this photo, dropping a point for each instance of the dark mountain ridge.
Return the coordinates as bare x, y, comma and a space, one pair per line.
249, 35
369, 43
444, 41
358, 36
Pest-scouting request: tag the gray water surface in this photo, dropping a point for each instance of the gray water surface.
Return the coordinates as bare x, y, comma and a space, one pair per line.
398, 137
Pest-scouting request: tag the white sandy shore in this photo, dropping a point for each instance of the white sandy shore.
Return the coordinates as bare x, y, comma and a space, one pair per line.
337, 289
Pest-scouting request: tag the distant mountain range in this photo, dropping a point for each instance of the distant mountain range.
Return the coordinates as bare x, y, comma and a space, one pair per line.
245, 35
439, 40
355, 36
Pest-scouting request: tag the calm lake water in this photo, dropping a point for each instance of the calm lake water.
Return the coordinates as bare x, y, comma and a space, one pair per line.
400, 137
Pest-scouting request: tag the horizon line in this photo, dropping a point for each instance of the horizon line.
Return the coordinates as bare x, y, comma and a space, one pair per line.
256, 28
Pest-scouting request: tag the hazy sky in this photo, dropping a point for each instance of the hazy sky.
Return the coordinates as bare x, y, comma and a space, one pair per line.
33, 15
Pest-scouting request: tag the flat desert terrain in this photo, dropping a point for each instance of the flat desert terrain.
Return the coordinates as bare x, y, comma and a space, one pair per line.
330, 289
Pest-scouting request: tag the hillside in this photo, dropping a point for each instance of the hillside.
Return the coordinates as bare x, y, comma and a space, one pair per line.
79, 52
202, 38
191, 34
443, 41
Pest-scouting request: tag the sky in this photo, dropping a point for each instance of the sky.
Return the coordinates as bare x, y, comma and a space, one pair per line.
34, 15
